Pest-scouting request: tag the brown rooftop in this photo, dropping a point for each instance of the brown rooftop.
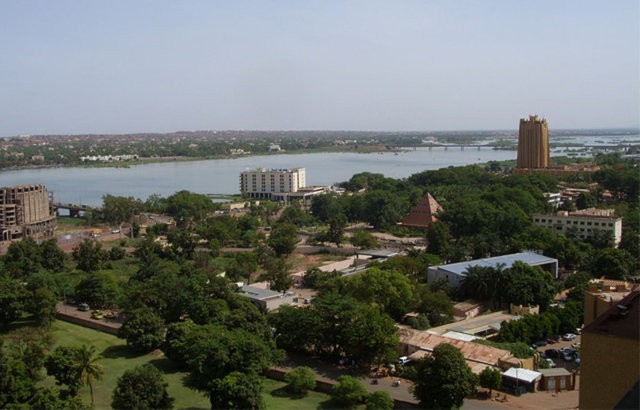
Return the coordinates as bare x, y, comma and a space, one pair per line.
471, 351
423, 214
621, 320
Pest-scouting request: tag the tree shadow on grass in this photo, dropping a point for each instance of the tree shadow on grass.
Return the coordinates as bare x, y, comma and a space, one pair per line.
284, 393
118, 352
167, 366
332, 404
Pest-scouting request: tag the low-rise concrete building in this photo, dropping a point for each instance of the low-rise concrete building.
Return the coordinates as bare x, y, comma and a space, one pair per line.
454, 273
585, 223
557, 379
266, 298
416, 344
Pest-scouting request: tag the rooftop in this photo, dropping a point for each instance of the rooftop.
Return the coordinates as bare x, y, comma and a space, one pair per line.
522, 374
557, 371
259, 293
530, 258
621, 320
475, 352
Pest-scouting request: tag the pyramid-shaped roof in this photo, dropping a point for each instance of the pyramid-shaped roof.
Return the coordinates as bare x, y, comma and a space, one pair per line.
423, 214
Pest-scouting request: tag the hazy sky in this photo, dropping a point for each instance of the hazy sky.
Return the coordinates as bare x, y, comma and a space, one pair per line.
160, 66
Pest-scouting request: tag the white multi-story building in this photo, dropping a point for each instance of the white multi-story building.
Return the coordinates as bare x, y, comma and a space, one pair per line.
584, 223
273, 184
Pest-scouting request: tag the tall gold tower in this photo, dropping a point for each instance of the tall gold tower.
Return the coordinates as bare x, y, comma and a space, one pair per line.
533, 143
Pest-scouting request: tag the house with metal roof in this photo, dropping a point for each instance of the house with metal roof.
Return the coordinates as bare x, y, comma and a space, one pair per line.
454, 273
266, 298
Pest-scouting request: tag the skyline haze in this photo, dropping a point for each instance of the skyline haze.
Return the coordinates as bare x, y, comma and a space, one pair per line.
73, 67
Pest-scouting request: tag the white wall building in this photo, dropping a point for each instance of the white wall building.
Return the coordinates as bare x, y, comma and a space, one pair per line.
584, 223
272, 183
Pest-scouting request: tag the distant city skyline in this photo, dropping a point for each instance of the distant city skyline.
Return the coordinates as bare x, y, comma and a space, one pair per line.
72, 67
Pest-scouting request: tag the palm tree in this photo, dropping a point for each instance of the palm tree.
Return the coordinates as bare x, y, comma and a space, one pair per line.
88, 369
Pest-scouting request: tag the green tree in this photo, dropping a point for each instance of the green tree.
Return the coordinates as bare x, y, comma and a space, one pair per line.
612, 263
143, 330
348, 391
12, 300
88, 368
89, 255
119, 209
98, 290
187, 206
141, 388
439, 239
437, 306
16, 384
297, 330
390, 290
237, 391
42, 305
283, 239
51, 256
379, 400
490, 379
277, 274
585, 200
444, 379
363, 239
22, 258
300, 380
62, 364
337, 223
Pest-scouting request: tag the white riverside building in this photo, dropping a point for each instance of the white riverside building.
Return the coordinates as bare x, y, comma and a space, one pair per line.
277, 184
584, 223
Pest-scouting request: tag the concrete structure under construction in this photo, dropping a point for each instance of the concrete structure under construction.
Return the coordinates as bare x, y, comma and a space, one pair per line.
533, 143
26, 211
585, 223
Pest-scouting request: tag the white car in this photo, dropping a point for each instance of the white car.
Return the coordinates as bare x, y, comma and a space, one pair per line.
403, 360
552, 364
568, 336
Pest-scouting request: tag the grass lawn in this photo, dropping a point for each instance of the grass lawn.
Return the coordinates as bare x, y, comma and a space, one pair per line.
116, 359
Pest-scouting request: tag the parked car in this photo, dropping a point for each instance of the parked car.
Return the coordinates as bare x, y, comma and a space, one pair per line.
568, 336
552, 353
552, 364
403, 360
541, 343
97, 314
577, 357
568, 355
83, 307
552, 340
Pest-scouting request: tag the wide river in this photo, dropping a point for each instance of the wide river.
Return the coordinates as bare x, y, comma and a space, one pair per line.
222, 176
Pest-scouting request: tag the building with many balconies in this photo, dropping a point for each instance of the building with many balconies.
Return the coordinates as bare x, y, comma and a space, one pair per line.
26, 211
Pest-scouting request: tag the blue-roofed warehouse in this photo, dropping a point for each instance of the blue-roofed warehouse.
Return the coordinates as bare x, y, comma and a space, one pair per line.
454, 273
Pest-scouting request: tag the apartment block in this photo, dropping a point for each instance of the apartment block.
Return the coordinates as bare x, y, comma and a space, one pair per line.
26, 211
584, 223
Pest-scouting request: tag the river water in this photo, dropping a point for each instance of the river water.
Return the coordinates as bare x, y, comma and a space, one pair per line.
80, 185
